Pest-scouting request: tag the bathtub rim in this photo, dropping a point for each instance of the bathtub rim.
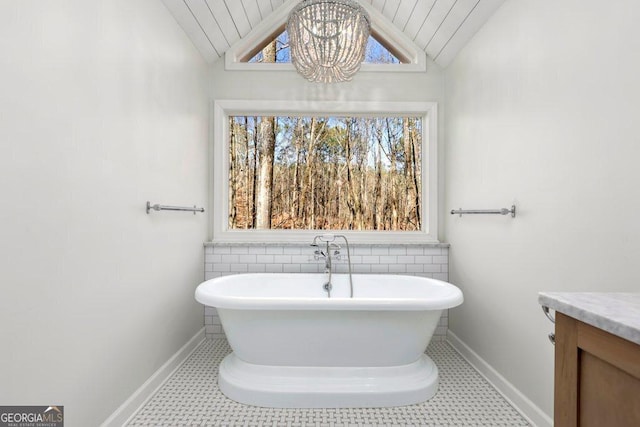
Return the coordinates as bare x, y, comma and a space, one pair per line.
206, 296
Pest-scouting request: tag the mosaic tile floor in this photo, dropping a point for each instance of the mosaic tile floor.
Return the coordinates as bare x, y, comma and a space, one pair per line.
191, 398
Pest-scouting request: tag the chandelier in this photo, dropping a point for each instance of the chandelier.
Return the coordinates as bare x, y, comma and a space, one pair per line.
327, 39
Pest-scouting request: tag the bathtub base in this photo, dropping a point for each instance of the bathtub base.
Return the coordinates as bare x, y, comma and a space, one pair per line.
327, 387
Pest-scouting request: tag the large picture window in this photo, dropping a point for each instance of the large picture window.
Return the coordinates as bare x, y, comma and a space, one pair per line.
288, 170
325, 173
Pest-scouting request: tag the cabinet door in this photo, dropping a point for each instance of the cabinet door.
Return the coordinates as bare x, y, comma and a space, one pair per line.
597, 377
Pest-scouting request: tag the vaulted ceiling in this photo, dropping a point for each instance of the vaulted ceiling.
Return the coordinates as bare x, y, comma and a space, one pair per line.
440, 27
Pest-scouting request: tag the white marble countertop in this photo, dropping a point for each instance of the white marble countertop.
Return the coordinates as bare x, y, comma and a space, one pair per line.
614, 312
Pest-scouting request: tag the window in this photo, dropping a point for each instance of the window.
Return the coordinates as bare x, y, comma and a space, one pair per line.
376, 52
402, 54
286, 170
325, 173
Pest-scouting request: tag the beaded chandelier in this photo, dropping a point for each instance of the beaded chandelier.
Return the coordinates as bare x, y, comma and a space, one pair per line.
327, 39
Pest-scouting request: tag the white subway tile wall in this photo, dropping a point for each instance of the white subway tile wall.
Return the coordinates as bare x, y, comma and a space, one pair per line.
221, 259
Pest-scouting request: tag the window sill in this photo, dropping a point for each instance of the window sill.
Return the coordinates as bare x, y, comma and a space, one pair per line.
361, 244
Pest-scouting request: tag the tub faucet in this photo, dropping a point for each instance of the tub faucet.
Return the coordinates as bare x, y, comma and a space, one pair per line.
331, 246
326, 254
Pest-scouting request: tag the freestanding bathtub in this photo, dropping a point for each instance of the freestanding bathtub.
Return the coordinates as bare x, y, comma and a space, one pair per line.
293, 347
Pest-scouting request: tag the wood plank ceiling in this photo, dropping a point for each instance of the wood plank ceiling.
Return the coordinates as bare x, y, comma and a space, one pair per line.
440, 27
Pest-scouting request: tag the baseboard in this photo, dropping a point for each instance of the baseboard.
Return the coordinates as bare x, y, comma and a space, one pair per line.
128, 409
534, 415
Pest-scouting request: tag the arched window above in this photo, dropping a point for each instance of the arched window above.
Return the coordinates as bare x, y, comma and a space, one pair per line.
376, 52
388, 49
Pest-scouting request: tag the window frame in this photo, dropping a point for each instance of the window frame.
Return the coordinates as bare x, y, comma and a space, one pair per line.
219, 197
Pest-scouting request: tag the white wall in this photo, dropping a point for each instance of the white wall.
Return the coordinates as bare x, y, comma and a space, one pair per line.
542, 110
365, 86
103, 106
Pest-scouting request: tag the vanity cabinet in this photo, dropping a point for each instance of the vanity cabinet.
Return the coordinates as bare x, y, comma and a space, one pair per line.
597, 359
597, 377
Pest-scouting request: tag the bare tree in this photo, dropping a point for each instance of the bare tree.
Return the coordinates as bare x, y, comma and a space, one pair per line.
267, 137
233, 174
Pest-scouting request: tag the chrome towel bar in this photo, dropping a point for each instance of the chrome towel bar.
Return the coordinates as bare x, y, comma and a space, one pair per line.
157, 207
503, 211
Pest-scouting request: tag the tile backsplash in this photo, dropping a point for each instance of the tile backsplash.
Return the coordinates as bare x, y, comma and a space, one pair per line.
221, 259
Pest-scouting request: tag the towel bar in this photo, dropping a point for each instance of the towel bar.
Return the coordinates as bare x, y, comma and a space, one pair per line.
503, 211
157, 207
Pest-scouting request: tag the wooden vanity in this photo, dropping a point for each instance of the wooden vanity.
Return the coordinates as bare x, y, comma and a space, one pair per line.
597, 358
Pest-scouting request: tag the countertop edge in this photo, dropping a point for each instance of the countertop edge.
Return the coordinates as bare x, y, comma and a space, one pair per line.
559, 302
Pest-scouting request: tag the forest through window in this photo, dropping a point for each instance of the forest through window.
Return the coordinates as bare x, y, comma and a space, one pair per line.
325, 173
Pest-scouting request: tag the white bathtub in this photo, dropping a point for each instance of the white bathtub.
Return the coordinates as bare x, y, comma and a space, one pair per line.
295, 348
